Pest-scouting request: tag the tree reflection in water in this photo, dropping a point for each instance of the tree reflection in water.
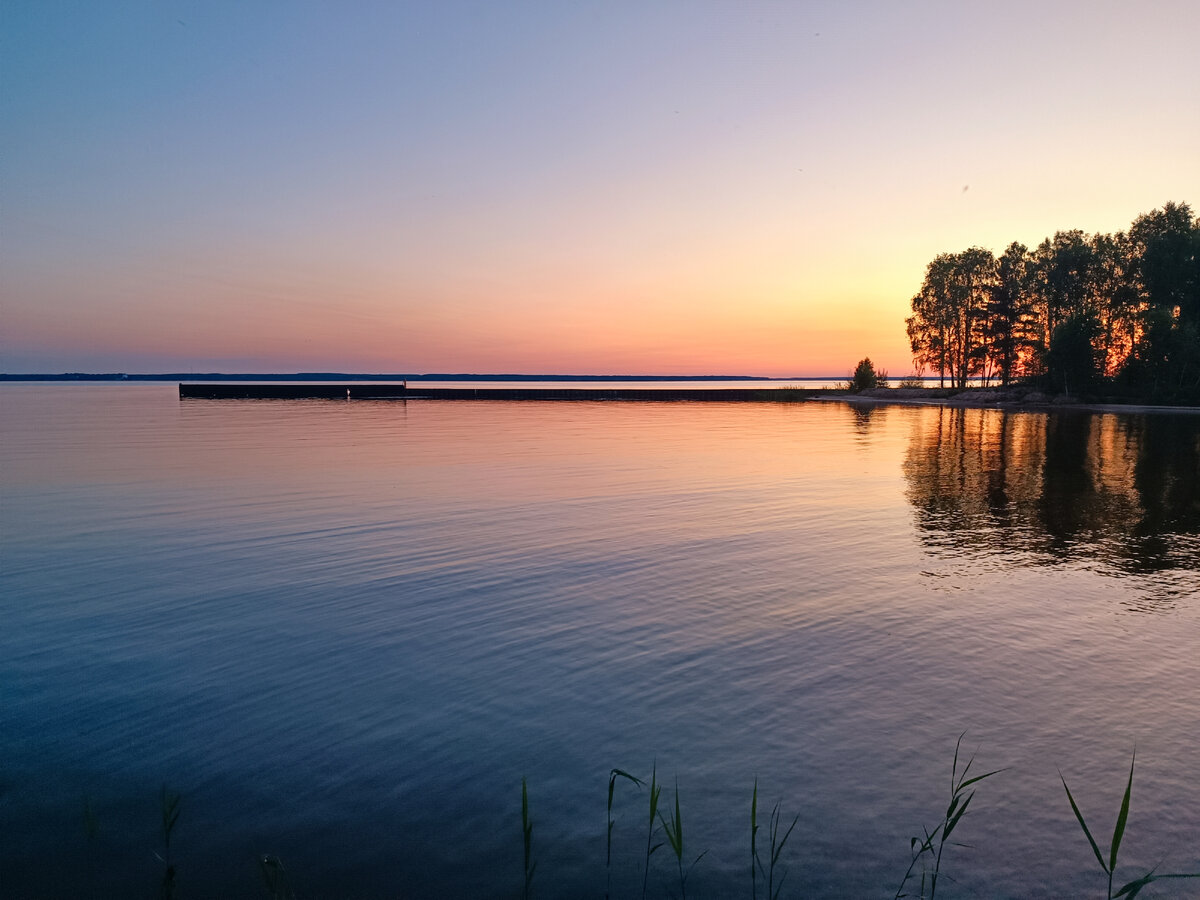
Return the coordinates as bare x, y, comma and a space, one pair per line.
1117, 494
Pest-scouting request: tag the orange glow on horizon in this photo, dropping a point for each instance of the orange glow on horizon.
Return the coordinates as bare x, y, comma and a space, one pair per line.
718, 203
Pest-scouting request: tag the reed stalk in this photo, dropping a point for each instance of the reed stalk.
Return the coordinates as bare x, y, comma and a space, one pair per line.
754, 863
673, 829
527, 833
91, 828
1133, 888
777, 845
275, 878
169, 810
655, 791
934, 842
612, 784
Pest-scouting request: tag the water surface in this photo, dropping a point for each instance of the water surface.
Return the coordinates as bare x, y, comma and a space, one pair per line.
345, 632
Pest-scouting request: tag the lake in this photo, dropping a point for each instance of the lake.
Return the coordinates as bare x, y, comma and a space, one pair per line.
345, 631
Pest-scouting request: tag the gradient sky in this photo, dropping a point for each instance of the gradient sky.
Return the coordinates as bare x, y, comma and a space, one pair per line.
643, 187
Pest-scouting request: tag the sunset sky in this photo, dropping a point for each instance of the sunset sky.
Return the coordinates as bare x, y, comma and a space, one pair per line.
553, 187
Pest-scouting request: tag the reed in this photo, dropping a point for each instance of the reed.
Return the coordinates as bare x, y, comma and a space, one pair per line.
777, 845
754, 863
1133, 888
612, 785
655, 791
934, 842
927, 851
169, 810
527, 832
673, 829
275, 878
91, 828
91, 822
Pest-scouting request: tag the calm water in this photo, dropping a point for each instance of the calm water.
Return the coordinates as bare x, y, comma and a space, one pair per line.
345, 631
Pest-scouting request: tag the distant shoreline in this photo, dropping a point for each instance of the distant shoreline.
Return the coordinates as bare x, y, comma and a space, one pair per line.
351, 376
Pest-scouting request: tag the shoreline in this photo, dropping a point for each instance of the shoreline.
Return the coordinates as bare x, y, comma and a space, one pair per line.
987, 398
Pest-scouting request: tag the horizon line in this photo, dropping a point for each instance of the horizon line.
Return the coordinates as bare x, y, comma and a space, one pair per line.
34, 376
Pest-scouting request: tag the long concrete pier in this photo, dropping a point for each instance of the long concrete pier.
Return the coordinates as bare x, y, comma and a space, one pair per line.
385, 391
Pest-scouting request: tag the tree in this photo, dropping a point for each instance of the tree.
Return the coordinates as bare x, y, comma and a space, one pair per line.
1118, 302
1165, 270
929, 325
1166, 242
1075, 361
947, 329
865, 377
1011, 319
975, 277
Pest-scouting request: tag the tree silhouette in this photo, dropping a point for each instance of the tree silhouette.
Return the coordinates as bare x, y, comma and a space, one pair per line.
1135, 297
865, 377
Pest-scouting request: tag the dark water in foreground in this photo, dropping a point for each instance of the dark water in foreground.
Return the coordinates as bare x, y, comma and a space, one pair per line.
345, 631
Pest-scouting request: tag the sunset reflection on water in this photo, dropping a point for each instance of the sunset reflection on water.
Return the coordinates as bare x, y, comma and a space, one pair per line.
1120, 493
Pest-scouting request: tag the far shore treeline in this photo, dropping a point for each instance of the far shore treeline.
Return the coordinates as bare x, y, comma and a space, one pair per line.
1114, 314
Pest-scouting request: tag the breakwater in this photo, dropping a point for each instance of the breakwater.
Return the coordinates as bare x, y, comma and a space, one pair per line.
226, 390
360, 391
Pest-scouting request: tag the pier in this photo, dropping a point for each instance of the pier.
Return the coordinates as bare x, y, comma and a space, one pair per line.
401, 391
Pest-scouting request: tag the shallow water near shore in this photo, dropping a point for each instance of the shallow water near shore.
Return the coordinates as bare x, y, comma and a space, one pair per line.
344, 631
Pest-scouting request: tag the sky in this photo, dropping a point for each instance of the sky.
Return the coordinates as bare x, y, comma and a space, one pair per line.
668, 188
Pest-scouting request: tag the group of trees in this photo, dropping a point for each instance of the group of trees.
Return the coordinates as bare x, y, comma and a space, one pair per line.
1077, 309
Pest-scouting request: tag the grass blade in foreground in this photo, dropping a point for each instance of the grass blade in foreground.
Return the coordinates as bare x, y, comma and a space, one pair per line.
655, 791
527, 832
777, 845
612, 784
935, 841
1133, 888
169, 808
754, 842
1122, 817
275, 878
91, 827
674, 832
